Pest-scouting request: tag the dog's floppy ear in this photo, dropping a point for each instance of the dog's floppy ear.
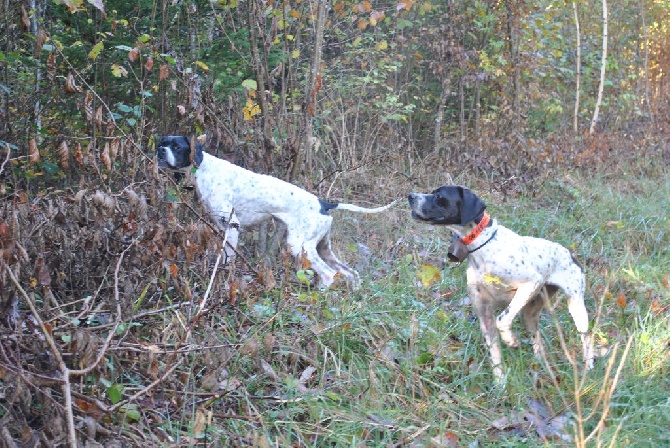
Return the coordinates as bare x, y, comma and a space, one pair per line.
196, 152
472, 206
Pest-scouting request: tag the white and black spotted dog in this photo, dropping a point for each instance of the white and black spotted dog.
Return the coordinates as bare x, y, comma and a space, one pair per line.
238, 198
505, 270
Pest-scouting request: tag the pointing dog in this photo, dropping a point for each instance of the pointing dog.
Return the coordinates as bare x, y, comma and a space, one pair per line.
238, 198
506, 271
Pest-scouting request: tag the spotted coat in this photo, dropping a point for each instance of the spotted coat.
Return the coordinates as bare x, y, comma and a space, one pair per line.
237, 198
507, 271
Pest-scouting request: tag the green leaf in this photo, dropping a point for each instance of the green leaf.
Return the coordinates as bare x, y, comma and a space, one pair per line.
249, 84
96, 50
131, 411
49, 168
124, 108
305, 275
402, 24
171, 195
115, 393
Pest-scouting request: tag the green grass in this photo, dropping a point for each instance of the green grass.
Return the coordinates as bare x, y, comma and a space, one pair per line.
402, 364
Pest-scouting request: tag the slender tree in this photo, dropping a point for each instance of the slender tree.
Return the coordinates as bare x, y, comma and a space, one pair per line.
578, 70
603, 65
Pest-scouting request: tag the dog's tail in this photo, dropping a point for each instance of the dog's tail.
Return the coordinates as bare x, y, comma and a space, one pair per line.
355, 208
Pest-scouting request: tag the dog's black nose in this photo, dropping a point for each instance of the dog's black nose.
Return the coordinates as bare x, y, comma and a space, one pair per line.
411, 197
161, 151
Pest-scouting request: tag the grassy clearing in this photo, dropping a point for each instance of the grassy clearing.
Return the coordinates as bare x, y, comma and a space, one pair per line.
402, 364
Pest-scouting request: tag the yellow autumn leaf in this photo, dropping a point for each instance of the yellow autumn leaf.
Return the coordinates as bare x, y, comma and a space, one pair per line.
96, 50
383, 45
295, 54
202, 65
118, 71
250, 110
428, 274
493, 280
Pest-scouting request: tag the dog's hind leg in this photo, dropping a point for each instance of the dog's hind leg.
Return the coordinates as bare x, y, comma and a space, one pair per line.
530, 315
487, 322
326, 253
303, 242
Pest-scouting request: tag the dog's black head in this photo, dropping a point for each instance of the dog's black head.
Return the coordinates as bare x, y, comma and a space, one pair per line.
448, 205
174, 152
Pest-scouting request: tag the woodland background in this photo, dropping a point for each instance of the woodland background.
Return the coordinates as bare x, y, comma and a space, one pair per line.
117, 322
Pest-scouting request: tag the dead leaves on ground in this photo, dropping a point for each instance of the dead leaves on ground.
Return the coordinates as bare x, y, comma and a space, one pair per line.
539, 419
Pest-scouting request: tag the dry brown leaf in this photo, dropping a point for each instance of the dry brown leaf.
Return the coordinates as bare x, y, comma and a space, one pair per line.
149, 65
39, 42
98, 117
163, 72
307, 375
138, 203
51, 66
25, 19
71, 84
79, 196
269, 371
43, 276
105, 158
134, 54
202, 418
79, 155
89, 155
104, 200
88, 106
33, 152
64, 155
114, 146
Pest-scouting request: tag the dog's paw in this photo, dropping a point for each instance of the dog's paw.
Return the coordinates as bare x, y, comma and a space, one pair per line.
509, 338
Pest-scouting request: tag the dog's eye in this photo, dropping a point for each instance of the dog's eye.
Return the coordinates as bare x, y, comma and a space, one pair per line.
442, 202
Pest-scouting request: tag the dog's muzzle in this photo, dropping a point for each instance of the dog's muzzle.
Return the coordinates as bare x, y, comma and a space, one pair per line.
162, 157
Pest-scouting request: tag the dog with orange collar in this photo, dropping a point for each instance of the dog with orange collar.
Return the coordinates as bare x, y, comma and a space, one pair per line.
506, 271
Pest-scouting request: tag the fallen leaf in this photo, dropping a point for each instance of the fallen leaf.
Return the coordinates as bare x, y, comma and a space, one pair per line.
428, 274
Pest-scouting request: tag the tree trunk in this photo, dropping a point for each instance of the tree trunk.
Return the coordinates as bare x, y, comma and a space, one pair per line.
514, 57
578, 71
603, 64
259, 67
314, 85
438, 143
645, 39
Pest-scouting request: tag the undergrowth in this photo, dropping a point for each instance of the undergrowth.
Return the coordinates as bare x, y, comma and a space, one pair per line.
263, 360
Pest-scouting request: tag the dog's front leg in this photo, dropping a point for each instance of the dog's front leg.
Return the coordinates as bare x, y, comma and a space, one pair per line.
506, 318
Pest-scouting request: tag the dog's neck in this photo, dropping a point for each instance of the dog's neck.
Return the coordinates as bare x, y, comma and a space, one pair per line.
467, 229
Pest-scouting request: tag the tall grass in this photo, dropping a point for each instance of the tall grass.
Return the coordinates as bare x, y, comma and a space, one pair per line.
403, 364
